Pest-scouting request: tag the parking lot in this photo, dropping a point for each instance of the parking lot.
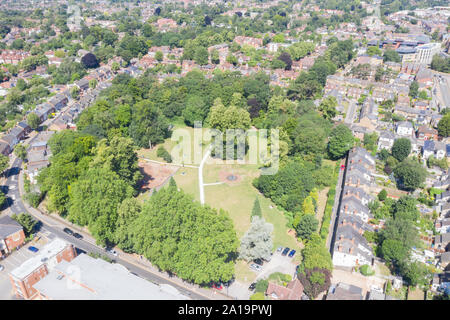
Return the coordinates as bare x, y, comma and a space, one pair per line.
13, 261
278, 263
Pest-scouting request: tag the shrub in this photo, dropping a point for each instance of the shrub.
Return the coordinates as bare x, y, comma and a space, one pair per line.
261, 285
366, 270
258, 296
163, 153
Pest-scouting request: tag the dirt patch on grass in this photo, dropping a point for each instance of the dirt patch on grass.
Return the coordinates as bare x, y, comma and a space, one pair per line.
229, 177
155, 174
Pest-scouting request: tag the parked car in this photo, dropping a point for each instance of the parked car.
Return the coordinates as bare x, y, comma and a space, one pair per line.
112, 251
279, 249
255, 267
77, 235
285, 251
291, 254
1, 267
33, 249
68, 231
217, 286
252, 286
259, 262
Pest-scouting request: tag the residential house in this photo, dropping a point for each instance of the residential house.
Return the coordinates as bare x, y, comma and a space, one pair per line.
293, 291
343, 291
444, 260
434, 148
427, 133
5, 148
405, 128
11, 235
351, 205
441, 242
386, 140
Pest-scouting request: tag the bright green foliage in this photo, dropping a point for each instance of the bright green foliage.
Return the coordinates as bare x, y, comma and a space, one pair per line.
119, 156
411, 174
33, 120
26, 221
289, 186
307, 225
256, 211
127, 212
20, 151
401, 149
328, 107
373, 51
444, 125
181, 236
316, 255
223, 118
340, 141
382, 195
94, 200
4, 163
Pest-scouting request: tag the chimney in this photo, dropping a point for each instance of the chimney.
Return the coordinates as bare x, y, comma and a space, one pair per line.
346, 208
340, 248
350, 250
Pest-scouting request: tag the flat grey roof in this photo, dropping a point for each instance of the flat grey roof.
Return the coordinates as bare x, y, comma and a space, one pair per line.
100, 280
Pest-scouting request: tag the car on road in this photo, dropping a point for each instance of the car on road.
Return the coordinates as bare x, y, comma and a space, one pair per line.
342, 166
252, 286
68, 231
285, 251
33, 249
77, 235
1, 267
279, 249
291, 254
112, 251
255, 267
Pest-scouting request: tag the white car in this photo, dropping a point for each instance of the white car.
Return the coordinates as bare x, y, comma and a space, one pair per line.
255, 267
1, 267
113, 252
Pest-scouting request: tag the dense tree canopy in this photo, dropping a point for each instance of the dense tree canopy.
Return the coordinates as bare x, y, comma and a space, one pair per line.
179, 235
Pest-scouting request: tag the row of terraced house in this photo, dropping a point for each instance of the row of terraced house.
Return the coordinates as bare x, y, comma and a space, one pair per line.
350, 248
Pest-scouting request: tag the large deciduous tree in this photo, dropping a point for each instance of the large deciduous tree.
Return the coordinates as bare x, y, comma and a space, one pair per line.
411, 174
401, 149
181, 236
340, 141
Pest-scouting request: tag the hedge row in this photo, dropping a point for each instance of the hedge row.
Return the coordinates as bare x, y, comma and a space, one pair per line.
326, 219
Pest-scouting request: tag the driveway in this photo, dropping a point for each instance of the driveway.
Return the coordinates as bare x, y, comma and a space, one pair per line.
13, 261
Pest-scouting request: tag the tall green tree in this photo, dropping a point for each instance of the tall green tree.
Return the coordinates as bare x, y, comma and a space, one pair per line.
340, 141
181, 236
401, 149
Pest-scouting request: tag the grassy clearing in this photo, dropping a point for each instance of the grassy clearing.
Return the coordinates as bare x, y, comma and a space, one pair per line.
243, 272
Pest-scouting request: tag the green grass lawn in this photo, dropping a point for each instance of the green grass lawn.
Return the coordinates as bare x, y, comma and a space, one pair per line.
236, 198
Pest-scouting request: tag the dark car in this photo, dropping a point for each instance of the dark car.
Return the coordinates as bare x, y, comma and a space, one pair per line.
291, 254
68, 231
33, 249
77, 235
258, 262
285, 251
252, 286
